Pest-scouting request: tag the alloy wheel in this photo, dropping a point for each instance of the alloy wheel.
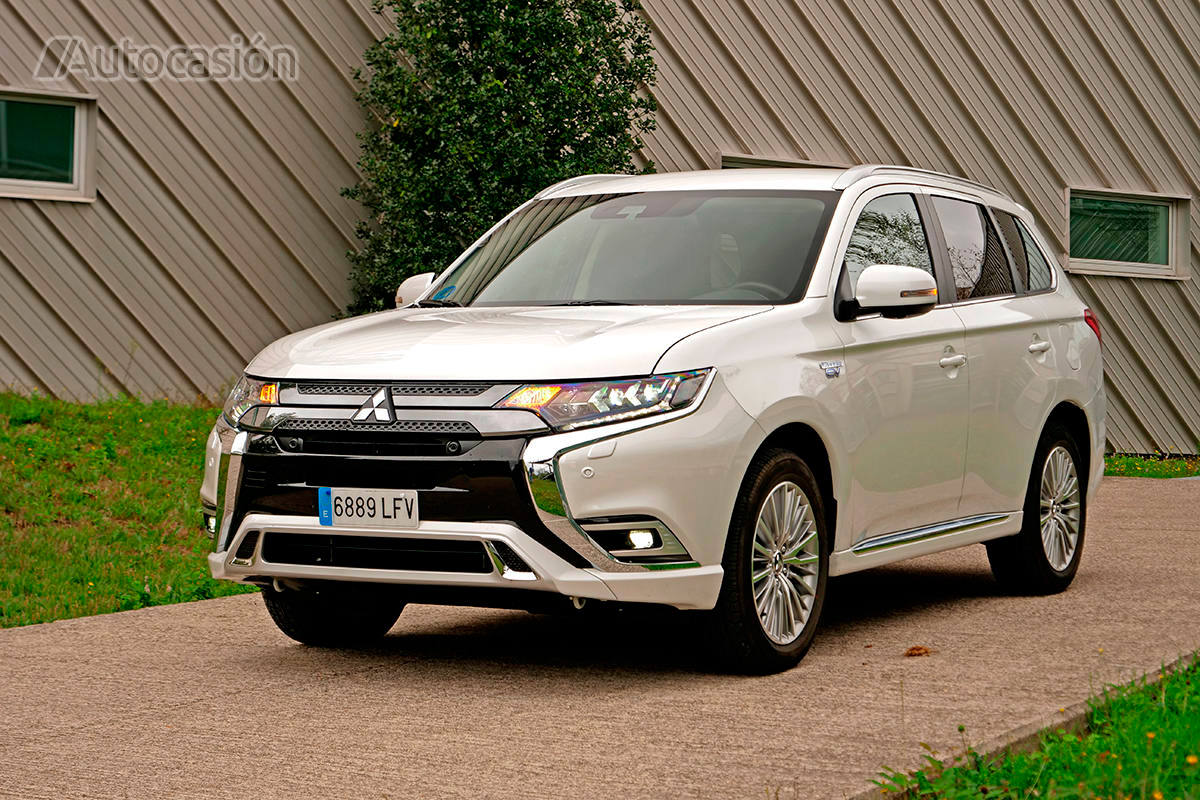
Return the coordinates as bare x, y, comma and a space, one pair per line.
1059, 505
785, 562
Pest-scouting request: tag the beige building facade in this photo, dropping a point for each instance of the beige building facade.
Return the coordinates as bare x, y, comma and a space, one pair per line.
168, 220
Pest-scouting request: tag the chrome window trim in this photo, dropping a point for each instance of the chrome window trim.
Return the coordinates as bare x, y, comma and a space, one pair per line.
977, 300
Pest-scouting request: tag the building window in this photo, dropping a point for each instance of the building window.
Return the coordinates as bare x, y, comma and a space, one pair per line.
44, 145
1126, 234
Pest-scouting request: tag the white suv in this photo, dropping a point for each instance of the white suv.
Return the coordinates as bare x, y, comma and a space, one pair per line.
707, 390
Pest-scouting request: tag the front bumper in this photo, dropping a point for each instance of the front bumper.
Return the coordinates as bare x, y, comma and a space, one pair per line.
541, 502
689, 588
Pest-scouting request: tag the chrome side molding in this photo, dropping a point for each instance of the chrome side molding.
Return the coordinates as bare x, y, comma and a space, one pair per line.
926, 532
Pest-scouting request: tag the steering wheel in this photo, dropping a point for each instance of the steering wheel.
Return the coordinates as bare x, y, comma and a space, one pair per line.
765, 289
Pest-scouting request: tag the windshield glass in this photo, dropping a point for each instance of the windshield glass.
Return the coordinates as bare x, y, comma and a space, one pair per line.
648, 248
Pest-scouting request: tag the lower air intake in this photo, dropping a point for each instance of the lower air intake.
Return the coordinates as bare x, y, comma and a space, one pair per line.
375, 552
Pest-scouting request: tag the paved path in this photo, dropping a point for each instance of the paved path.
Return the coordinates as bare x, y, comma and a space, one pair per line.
208, 700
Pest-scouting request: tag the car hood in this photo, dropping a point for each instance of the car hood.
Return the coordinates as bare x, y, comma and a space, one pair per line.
499, 344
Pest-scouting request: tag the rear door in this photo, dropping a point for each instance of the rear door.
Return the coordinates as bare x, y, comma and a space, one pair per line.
1009, 373
905, 420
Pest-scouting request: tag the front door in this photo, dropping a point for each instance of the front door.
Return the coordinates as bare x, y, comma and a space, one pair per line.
906, 416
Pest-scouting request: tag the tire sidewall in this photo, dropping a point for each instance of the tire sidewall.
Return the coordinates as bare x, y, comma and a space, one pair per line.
1054, 437
768, 471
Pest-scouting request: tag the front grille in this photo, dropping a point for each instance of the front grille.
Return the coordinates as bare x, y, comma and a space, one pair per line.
440, 389
375, 552
484, 484
398, 389
336, 388
399, 426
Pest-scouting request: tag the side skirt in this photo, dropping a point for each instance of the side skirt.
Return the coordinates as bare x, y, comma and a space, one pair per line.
892, 547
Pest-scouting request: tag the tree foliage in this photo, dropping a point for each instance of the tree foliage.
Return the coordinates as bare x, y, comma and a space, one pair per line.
475, 105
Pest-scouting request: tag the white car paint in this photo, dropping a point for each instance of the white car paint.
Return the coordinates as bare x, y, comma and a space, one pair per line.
924, 420
477, 344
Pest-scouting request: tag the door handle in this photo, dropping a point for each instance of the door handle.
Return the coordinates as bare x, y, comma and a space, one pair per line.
953, 361
1039, 346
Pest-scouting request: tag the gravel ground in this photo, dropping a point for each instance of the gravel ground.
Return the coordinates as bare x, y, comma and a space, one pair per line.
209, 700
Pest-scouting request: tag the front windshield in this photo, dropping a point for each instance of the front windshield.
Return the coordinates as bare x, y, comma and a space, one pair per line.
647, 248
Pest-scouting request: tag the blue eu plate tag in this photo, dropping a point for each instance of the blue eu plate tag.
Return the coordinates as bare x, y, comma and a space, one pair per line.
325, 505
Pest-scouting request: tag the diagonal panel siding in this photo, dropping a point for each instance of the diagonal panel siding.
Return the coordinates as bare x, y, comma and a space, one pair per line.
1031, 97
218, 224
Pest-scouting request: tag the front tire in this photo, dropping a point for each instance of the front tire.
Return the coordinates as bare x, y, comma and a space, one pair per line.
776, 566
334, 614
1044, 557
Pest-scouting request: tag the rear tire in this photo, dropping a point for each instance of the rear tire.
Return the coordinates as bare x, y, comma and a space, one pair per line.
334, 614
1044, 557
776, 566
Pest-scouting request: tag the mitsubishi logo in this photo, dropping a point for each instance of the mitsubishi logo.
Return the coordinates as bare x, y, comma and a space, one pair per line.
378, 409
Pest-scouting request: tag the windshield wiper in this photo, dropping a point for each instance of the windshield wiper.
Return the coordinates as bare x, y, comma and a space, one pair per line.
592, 303
439, 304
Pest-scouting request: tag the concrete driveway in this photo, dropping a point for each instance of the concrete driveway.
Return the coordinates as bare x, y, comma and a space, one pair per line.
208, 700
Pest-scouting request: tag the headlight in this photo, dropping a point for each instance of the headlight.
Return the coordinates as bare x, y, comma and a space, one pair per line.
566, 406
248, 393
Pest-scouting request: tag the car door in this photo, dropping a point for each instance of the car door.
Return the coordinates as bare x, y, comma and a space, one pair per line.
1009, 374
905, 420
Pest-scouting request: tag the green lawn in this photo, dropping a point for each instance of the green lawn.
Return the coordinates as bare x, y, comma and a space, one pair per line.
1165, 467
99, 509
1143, 743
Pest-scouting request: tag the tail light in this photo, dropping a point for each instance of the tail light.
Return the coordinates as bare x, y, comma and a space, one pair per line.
1092, 323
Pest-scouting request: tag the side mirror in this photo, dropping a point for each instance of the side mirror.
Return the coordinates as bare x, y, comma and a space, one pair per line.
413, 288
895, 291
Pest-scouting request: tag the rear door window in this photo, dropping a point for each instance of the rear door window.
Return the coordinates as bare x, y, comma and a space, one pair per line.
973, 249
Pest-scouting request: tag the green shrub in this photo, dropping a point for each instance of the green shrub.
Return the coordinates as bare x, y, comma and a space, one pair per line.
475, 105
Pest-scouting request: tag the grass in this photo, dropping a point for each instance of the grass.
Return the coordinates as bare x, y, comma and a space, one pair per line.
99, 509
1143, 743
1153, 467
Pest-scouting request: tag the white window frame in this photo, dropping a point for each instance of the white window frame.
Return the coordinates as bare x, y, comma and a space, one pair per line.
83, 171
1178, 266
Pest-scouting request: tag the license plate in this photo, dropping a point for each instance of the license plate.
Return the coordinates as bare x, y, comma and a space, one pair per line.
367, 508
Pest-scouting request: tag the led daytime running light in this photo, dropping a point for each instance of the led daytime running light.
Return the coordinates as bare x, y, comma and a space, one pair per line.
567, 406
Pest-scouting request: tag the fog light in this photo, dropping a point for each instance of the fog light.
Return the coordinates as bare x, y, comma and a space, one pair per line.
210, 525
641, 539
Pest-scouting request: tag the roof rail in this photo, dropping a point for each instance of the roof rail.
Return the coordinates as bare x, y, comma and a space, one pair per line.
578, 180
855, 174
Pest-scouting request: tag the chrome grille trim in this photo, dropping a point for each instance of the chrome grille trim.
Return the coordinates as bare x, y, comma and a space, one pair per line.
440, 389
398, 389
399, 426
405, 394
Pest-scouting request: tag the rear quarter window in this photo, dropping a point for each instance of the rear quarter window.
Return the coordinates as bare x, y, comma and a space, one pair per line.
1034, 273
